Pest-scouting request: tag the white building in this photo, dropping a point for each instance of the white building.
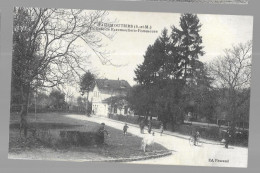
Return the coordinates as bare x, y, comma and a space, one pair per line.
103, 92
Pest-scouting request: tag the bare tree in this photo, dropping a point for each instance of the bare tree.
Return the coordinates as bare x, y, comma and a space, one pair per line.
232, 73
49, 47
233, 69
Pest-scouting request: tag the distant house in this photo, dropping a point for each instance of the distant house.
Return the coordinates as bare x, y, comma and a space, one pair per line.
106, 94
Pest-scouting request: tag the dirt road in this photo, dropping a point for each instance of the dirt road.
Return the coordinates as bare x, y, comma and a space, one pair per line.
183, 152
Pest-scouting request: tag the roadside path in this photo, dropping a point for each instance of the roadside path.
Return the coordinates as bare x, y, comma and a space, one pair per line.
209, 154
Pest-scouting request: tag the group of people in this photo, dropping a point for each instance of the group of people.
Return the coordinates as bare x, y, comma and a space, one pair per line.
102, 131
226, 140
149, 127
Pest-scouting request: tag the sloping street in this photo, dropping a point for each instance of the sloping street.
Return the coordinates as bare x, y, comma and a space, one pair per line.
209, 154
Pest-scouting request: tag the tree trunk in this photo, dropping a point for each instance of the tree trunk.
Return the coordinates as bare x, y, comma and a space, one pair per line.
233, 108
87, 112
25, 91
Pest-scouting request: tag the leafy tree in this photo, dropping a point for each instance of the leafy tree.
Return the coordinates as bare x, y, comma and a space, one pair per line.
57, 99
118, 102
43, 100
170, 55
243, 109
45, 49
164, 73
159, 62
187, 41
168, 105
86, 84
137, 100
198, 94
24, 52
82, 102
140, 99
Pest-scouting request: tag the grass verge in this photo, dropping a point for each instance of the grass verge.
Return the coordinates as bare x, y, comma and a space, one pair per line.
44, 142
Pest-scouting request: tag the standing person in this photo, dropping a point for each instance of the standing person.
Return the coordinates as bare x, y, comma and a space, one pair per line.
149, 126
196, 136
228, 137
101, 134
161, 129
125, 128
142, 127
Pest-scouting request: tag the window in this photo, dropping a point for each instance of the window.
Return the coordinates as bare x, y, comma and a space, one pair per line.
96, 94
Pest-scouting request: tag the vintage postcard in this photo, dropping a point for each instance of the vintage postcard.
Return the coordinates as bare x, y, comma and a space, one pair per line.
132, 87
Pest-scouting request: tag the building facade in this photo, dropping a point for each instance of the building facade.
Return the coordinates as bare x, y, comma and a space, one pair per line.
107, 97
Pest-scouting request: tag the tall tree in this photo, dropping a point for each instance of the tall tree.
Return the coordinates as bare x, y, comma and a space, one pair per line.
156, 68
46, 49
187, 41
164, 71
160, 61
86, 84
198, 95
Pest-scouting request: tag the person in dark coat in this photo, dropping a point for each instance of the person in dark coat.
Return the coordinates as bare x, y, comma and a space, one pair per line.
149, 127
125, 128
101, 134
228, 137
196, 137
142, 124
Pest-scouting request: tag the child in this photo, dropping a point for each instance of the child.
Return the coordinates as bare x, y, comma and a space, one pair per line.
228, 137
125, 129
196, 136
149, 127
161, 129
100, 134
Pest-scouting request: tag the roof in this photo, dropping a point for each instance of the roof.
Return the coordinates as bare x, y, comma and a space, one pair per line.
114, 99
108, 85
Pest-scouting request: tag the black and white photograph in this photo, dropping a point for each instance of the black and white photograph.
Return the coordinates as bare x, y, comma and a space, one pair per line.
130, 87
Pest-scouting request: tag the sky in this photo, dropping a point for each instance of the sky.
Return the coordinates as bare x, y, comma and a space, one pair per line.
218, 32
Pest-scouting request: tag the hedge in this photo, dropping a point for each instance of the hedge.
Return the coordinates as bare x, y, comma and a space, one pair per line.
133, 119
213, 133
